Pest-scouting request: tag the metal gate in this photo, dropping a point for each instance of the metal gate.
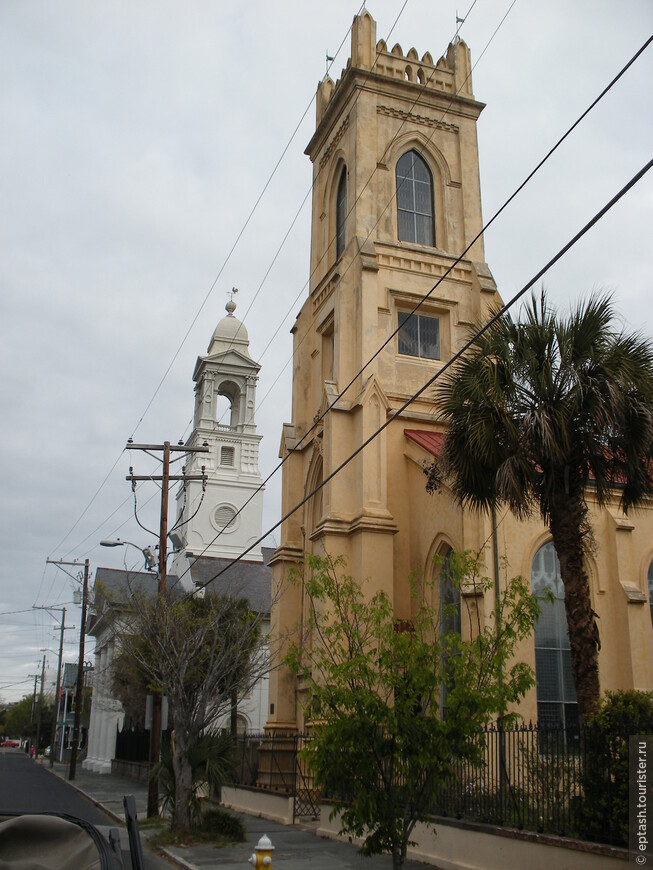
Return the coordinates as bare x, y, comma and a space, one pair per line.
306, 803
306, 799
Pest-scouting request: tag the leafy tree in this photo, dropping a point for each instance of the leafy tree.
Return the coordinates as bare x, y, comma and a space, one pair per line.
18, 719
381, 749
21, 720
198, 652
544, 414
603, 813
3, 712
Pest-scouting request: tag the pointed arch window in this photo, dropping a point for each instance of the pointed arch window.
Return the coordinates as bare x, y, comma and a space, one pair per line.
449, 592
415, 221
556, 696
341, 213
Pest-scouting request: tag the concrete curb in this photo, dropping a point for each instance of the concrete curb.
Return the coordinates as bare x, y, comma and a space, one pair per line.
94, 801
175, 859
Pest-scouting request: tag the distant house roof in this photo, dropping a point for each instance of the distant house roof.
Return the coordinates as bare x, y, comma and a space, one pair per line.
243, 579
430, 441
116, 581
113, 586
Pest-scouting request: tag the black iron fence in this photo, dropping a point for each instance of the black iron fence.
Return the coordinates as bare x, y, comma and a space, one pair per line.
277, 762
565, 782
132, 744
530, 778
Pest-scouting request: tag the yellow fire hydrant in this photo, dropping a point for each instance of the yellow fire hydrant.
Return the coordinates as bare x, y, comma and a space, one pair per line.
262, 855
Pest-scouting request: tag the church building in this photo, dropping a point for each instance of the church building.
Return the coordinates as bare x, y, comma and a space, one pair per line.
221, 519
396, 200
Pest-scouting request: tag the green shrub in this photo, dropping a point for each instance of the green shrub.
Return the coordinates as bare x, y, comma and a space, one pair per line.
221, 823
603, 811
212, 761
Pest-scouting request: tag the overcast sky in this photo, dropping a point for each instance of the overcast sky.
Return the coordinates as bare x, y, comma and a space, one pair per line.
136, 139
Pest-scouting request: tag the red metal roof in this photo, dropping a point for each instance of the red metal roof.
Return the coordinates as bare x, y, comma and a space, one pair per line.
430, 441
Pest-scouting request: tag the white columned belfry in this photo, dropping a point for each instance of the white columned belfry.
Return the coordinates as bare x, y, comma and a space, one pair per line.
208, 519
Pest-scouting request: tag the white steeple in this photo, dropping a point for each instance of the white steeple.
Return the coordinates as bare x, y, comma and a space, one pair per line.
209, 523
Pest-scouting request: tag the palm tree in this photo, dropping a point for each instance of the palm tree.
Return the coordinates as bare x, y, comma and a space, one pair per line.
545, 414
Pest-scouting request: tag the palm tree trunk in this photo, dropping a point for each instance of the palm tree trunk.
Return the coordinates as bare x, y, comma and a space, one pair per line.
182, 770
567, 529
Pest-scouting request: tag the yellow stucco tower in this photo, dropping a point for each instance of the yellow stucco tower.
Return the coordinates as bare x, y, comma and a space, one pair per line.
396, 200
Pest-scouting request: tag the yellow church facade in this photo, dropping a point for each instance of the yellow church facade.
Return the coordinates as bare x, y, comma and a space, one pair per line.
396, 201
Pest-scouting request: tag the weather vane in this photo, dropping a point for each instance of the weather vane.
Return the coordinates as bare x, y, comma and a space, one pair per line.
459, 22
231, 293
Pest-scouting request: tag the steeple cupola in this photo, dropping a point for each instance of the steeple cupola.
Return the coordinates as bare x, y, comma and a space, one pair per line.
229, 333
226, 518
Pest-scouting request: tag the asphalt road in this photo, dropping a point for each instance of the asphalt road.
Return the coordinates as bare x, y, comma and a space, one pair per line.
27, 787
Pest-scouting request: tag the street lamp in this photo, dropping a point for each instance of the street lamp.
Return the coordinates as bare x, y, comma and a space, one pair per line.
149, 554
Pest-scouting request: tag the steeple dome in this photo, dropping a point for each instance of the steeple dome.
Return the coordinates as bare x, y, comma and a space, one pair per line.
229, 333
225, 518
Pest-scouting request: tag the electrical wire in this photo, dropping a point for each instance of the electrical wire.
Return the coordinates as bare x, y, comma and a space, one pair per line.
528, 178
351, 209
501, 311
12, 612
459, 24
408, 115
294, 220
235, 243
17, 683
208, 294
421, 302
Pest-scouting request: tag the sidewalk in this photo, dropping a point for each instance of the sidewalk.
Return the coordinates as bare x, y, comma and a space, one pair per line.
296, 847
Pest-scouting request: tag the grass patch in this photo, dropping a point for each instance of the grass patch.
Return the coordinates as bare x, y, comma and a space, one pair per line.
145, 824
217, 826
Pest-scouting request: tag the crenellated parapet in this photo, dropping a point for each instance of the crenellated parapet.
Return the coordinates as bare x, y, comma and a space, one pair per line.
451, 75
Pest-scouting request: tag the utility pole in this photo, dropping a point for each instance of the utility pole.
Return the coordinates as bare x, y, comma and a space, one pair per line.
79, 693
165, 478
38, 721
58, 689
31, 714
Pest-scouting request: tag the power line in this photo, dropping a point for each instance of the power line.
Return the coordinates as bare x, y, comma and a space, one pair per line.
420, 303
235, 243
352, 207
438, 282
12, 612
444, 368
206, 297
276, 255
459, 25
17, 683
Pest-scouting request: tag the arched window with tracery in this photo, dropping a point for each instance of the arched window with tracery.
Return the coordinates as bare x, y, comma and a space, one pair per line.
449, 593
415, 214
341, 213
556, 694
